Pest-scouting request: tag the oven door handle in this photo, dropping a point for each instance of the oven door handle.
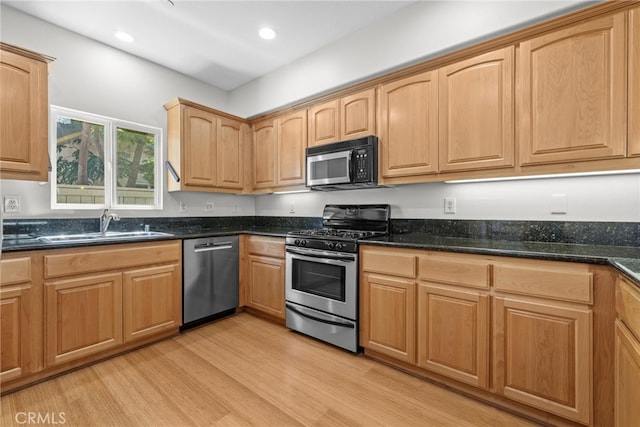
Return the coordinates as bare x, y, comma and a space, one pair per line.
321, 254
319, 319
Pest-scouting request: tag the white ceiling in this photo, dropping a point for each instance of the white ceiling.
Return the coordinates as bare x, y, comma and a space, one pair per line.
214, 41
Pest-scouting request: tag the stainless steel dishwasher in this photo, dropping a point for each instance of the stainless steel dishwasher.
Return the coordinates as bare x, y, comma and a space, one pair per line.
209, 278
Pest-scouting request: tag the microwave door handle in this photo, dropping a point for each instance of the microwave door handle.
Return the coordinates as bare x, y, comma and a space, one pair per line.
349, 158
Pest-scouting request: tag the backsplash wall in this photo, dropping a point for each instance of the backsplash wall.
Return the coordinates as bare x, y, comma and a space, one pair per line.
589, 198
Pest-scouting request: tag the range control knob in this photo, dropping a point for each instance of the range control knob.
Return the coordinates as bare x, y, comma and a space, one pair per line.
303, 242
331, 245
338, 246
297, 242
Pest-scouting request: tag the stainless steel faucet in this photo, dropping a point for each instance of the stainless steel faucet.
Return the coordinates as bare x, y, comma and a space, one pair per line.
105, 220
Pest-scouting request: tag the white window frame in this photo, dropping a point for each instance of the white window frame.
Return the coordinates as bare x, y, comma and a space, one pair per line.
111, 126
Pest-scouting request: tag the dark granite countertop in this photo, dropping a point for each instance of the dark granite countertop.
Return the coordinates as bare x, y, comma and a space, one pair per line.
624, 258
26, 242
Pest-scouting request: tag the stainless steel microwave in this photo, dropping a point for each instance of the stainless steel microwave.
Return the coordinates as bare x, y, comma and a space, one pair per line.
343, 165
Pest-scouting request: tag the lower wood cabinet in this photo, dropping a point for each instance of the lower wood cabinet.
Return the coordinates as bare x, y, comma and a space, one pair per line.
627, 354
152, 301
262, 279
453, 333
20, 316
63, 308
266, 285
387, 321
517, 331
83, 316
543, 356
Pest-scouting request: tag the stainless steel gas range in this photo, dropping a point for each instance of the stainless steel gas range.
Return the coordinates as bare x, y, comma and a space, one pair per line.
322, 272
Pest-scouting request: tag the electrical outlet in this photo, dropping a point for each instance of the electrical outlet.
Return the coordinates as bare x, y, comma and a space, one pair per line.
292, 210
182, 207
236, 209
449, 205
208, 207
11, 204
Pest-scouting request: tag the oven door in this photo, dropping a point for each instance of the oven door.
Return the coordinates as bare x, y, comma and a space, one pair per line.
329, 168
325, 281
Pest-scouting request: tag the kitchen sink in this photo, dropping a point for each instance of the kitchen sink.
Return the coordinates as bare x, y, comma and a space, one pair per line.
101, 237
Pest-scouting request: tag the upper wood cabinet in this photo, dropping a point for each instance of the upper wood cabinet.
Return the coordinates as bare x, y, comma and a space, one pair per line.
24, 113
292, 142
279, 151
572, 93
206, 148
634, 82
342, 119
476, 110
408, 128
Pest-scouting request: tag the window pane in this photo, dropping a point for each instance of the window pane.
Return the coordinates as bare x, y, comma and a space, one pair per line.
135, 163
79, 161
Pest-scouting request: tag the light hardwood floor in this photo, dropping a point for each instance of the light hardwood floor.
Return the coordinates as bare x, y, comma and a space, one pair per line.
243, 370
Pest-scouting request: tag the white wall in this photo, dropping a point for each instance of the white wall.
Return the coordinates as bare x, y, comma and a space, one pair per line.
593, 198
90, 76
413, 34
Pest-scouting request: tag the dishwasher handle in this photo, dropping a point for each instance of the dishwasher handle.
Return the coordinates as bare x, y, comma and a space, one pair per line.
208, 247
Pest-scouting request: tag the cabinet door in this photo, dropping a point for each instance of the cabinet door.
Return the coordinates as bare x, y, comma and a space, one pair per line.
543, 356
266, 285
265, 151
152, 301
83, 316
572, 93
358, 115
292, 141
199, 148
387, 316
409, 126
627, 378
20, 335
230, 153
476, 129
23, 117
324, 124
634, 82
453, 333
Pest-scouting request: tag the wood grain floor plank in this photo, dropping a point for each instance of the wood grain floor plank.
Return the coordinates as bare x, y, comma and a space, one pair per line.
245, 371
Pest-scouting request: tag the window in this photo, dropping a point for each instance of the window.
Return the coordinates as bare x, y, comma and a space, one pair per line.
103, 163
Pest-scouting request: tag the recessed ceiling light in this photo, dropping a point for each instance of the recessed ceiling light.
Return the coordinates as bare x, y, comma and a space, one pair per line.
124, 36
267, 33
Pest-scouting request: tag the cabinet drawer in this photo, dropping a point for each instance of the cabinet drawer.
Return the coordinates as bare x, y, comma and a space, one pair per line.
463, 272
14, 271
89, 260
549, 280
395, 263
628, 305
267, 246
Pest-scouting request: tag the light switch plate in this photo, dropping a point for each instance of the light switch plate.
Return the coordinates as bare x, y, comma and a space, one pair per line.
558, 204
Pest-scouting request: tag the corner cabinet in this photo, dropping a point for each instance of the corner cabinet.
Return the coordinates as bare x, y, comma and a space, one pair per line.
627, 354
206, 148
342, 119
24, 113
408, 128
279, 151
572, 99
